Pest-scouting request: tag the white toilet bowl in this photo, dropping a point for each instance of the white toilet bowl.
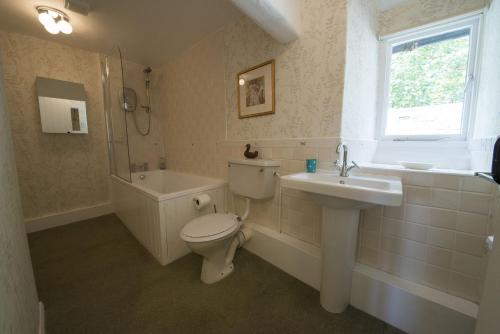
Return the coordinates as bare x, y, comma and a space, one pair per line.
217, 236
211, 236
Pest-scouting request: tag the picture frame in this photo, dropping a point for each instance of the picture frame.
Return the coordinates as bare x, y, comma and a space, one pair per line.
256, 92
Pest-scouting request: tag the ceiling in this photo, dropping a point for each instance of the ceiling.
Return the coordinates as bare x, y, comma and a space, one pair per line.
149, 32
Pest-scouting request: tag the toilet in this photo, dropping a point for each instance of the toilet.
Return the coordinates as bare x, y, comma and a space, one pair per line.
217, 236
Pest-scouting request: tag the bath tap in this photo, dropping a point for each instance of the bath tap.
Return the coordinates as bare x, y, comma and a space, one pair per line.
343, 167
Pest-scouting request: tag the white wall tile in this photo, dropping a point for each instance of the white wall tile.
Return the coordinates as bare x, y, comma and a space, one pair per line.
390, 262
472, 223
395, 212
368, 256
452, 182
443, 218
327, 154
436, 277
475, 184
439, 256
476, 203
412, 270
447, 199
370, 239
420, 179
470, 244
419, 195
413, 249
391, 244
441, 237
391, 227
418, 214
414, 232
465, 286
468, 264
283, 153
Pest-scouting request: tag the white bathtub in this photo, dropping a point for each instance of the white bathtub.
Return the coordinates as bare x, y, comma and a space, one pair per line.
157, 206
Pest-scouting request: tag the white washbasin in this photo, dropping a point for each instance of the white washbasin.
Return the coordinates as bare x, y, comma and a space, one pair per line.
360, 190
342, 198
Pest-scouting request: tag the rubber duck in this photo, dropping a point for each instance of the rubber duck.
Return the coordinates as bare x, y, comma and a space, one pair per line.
250, 155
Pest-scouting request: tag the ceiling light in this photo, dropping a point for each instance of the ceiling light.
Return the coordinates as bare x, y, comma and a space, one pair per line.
52, 27
53, 20
45, 18
65, 27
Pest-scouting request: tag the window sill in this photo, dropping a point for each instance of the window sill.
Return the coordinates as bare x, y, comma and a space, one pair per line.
376, 167
445, 155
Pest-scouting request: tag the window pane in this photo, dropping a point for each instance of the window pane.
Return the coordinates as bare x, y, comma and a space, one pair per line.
428, 78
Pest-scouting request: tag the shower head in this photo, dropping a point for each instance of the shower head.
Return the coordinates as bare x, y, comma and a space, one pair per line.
148, 70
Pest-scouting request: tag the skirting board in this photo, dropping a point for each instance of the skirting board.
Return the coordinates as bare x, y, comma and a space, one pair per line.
67, 217
295, 257
411, 307
41, 318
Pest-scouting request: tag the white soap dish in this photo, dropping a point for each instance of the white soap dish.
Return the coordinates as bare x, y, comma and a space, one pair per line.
416, 165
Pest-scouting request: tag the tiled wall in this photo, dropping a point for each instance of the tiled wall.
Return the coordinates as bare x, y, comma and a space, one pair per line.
300, 215
437, 237
488, 321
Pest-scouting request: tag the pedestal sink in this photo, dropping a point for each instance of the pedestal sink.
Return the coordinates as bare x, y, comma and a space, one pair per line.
342, 198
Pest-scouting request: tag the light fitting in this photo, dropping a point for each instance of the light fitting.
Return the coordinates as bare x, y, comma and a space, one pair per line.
53, 20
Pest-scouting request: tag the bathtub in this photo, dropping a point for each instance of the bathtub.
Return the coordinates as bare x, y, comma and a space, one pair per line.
157, 205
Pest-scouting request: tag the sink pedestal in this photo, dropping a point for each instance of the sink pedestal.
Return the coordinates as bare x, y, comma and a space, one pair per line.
342, 198
339, 229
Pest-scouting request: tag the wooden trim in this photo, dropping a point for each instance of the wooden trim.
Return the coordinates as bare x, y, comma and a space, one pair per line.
67, 217
272, 62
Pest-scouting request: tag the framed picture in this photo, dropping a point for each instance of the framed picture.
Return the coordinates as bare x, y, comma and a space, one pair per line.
256, 90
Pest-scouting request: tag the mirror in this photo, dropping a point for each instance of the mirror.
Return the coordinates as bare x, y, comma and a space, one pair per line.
63, 107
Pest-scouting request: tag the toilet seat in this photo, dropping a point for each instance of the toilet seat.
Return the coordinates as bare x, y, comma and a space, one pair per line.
210, 227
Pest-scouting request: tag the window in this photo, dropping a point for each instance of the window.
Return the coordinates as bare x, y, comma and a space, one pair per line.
429, 82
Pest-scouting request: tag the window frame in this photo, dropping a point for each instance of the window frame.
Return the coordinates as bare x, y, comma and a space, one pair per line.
388, 42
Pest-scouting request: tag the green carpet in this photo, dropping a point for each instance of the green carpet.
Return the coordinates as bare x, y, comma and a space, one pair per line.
94, 277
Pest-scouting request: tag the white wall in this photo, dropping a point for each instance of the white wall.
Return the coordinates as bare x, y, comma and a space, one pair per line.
18, 297
359, 109
488, 102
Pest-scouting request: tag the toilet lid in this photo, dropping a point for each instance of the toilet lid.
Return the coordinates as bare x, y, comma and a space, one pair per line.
210, 225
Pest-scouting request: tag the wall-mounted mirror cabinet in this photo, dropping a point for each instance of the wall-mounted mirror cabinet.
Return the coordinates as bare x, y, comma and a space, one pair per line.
63, 107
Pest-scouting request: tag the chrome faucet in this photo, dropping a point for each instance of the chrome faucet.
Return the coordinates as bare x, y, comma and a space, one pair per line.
343, 167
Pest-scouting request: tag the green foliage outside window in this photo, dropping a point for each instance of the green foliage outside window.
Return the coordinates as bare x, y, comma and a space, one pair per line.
430, 75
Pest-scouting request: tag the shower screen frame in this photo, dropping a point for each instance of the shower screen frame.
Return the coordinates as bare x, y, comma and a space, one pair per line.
115, 115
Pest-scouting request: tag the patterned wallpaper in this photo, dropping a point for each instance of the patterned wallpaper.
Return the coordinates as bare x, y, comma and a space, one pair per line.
309, 74
415, 13
57, 172
143, 148
18, 297
192, 96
